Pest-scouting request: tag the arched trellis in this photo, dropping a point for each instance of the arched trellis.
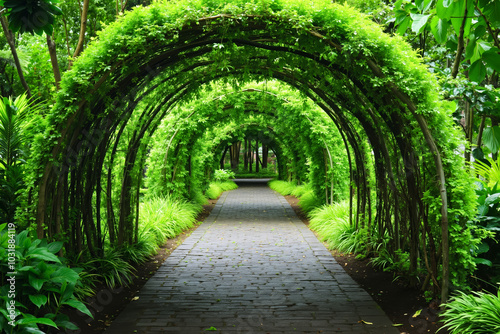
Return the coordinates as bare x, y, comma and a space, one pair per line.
338, 58
278, 115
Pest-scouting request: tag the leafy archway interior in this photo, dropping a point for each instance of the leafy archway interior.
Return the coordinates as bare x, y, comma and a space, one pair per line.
381, 105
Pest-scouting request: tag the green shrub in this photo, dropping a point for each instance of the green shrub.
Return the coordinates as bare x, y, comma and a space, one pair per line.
309, 201
215, 189
165, 218
41, 286
331, 222
478, 312
223, 175
113, 269
283, 187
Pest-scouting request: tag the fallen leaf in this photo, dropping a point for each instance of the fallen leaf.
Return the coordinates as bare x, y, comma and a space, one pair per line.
416, 314
135, 298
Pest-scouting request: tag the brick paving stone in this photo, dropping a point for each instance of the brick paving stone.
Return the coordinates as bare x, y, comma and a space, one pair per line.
252, 267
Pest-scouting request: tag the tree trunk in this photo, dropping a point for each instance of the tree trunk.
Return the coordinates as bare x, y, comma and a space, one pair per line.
264, 155
10, 39
53, 60
460, 46
256, 155
245, 155
235, 155
223, 157
83, 28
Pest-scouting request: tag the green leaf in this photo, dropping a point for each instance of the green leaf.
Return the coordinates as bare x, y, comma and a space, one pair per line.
492, 59
420, 4
65, 274
446, 3
419, 22
491, 138
79, 306
457, 16
492, 10
34, 320
471, 49
442, 11
404, 25
35, 282
477, 71
486, 262
492, 199
38, 300
439, 28
55, 247
482, 248
43, 254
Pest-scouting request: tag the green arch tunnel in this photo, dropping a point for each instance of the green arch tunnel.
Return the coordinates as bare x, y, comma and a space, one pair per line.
372, 90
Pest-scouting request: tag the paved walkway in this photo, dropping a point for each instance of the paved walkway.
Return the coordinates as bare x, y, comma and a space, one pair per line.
252, 267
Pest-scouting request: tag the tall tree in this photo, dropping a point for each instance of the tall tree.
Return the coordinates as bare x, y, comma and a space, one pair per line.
12, 44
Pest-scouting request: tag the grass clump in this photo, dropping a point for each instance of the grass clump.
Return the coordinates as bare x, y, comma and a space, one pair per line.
283, 187
164, 218
307, 199
215, 189
331, 222
478, 312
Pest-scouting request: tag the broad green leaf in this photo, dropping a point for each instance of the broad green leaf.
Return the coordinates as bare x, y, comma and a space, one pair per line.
477, 71
420, 5
22, 239
446, 3
486, 262
479, 29
43, 254
483, 209
492, 199
33, 320
427, 5
458, 14
482, 248
442, 11
478, 153
492, 10
484, 46
492, 59
67, 325
419, 22
38, 300
404, 25
471, 48
439, 28
55, 246
491, 138
35, 282
65, 274
79, 306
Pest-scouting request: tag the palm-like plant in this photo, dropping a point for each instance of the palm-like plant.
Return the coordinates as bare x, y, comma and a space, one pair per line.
13, 122
489, 172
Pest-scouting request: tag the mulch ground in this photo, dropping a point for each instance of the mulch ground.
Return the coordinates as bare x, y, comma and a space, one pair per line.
404, 306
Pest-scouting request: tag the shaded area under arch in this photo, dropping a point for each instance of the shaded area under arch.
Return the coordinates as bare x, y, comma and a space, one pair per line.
252, 267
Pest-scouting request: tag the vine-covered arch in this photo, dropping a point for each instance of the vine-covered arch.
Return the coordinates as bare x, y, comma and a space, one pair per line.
154, 58
290, 127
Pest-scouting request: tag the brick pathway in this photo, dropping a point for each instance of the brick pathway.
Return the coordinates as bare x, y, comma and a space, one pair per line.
251, 267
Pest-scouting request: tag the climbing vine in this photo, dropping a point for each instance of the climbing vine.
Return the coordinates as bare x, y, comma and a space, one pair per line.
381, 113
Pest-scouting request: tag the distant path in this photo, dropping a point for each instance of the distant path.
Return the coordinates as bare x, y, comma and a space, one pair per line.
252, 267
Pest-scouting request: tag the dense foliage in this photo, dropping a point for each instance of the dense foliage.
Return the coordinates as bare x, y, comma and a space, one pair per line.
148, 108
